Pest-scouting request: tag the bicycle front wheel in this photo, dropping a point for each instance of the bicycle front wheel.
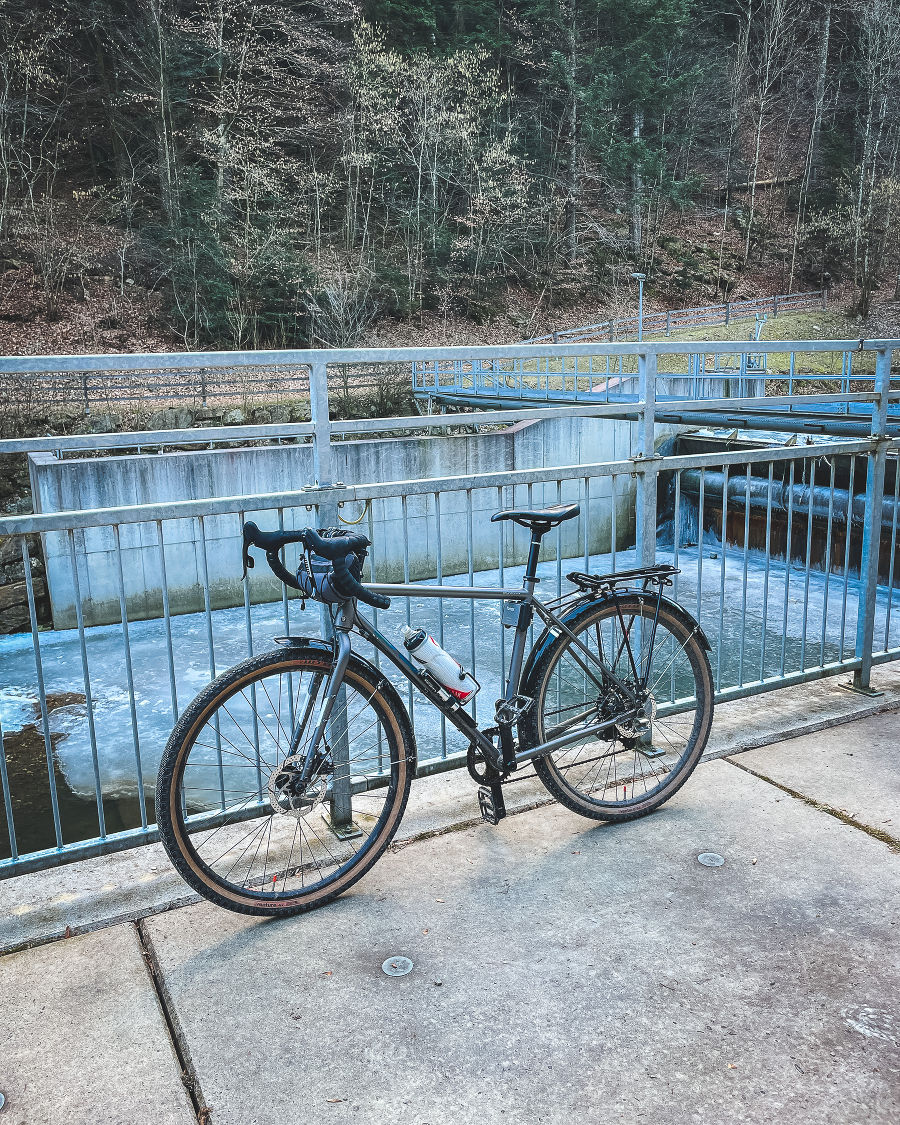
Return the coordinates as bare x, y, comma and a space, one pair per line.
649, 756
238, 817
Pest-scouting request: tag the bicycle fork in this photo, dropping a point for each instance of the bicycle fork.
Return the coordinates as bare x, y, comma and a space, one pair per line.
331, 728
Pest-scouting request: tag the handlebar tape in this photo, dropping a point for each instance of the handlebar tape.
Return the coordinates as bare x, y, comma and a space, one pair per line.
345, 583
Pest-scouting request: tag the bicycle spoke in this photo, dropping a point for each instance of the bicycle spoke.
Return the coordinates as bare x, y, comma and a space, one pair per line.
289, 847
639, 646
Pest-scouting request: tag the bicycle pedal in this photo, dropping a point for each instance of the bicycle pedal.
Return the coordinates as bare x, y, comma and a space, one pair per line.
493, 807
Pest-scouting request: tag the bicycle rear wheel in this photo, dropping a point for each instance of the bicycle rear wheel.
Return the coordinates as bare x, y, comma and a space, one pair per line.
650, 757
236, 818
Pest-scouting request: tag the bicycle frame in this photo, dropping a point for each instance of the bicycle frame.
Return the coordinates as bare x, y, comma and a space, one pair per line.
349, 618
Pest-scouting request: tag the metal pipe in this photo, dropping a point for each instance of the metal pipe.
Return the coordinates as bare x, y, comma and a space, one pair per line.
818, 500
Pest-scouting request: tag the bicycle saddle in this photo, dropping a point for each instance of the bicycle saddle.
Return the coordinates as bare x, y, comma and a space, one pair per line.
539, 519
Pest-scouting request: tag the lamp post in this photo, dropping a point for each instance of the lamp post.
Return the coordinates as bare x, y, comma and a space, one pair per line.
640, 278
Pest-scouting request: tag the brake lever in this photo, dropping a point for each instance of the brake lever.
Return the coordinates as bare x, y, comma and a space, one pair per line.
249, 562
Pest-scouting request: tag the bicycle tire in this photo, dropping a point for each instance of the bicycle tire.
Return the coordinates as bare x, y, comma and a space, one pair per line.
601, 791
369, 699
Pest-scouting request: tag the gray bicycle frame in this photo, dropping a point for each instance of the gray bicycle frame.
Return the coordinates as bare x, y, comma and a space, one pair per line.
347, 618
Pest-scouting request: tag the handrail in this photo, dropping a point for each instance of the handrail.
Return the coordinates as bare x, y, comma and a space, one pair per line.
697, 317
107, 567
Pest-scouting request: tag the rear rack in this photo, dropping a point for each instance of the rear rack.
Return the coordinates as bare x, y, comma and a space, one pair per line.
647, 575
659, 576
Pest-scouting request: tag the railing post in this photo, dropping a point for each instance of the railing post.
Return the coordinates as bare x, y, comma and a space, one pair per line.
871, 545
668, 321
340, 813
318, 410
728, 312
7, 801
774, 306
647, 480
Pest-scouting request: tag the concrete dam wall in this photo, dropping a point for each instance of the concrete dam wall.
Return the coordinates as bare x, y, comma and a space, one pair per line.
92, 483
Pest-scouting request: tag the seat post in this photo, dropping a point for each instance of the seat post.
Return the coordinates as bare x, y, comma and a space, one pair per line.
534, 550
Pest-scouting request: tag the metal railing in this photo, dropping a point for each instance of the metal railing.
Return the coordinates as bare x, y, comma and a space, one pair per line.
721, 376
702, 316
206, 392
84, 712
245, 386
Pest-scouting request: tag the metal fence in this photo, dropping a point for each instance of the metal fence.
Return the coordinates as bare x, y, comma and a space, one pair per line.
767, 386
702, 316
84, 712
210, 390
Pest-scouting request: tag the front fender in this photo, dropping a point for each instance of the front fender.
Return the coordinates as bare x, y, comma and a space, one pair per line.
305, 642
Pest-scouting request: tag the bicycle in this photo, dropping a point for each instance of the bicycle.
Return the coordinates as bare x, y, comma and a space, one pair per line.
285, 780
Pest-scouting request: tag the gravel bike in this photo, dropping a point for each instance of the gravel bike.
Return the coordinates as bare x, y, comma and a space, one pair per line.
286, 778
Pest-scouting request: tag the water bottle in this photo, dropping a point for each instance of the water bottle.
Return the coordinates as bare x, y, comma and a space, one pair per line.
440, 664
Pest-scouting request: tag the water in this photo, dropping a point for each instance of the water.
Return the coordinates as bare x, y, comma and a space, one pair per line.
471, 631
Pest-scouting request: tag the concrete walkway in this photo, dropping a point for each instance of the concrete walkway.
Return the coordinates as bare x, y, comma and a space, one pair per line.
563, 972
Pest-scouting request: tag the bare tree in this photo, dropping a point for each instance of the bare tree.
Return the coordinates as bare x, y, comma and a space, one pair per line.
771, 40
879, 56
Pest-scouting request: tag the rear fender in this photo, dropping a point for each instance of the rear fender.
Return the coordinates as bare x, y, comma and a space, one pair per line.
588, 605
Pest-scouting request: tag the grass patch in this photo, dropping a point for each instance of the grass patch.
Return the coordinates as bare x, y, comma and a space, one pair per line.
816, 324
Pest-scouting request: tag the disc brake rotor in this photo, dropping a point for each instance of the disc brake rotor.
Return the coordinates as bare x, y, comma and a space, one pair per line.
284, 796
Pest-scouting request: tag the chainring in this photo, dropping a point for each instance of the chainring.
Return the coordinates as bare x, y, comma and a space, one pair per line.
480, 769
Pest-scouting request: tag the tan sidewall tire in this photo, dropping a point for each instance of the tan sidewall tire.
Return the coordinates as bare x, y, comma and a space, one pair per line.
177, 841
531, 732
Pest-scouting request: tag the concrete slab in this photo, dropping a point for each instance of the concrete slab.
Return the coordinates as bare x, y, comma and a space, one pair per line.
765, 720
133, 884
84, 1039
567, 972
854, 769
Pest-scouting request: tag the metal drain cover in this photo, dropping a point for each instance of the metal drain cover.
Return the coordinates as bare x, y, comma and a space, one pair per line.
710, 859
397, 966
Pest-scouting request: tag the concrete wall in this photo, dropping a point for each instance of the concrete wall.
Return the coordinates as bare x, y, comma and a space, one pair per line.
154, 478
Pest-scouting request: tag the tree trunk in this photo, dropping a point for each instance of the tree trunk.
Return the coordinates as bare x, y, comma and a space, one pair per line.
815, 129
637, 187
168, 175
572, 177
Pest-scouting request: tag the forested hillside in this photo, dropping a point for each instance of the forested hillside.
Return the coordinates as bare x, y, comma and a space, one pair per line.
241, 173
